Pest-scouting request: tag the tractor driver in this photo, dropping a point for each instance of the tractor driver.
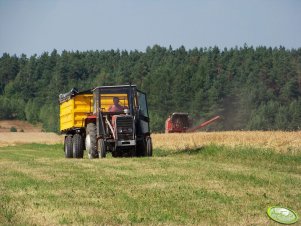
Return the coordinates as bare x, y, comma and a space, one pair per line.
116, 107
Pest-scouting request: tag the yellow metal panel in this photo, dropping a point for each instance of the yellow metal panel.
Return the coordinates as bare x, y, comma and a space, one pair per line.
66, 114
73, 112
83, 106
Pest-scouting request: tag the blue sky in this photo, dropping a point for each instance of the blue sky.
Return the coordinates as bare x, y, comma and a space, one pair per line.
37, 26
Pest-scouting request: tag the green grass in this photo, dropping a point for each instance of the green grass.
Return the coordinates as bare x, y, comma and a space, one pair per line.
213, 185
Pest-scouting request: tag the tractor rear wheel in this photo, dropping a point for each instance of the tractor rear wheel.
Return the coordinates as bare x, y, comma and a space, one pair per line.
78, 146
68, 147
91, 142
149, 147
144, 147
102, 148
140, 148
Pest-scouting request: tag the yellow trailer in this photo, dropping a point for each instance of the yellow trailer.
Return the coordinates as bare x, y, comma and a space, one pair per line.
76, 107
74, 111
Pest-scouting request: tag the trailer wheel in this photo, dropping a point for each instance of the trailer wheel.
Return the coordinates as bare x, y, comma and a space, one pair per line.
78, 146
68, 147
102, 148
91, 143
149, 147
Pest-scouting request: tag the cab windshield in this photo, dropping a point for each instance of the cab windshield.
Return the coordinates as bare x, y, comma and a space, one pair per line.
115, 102
114, 99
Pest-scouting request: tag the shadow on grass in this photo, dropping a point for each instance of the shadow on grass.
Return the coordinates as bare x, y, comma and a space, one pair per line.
166, 153
248, 155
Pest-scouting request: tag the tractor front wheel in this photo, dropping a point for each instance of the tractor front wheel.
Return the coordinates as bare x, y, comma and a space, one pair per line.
102, 148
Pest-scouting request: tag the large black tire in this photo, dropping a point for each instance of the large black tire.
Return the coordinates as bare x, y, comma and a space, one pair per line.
102, 148
140, 148
78, 146
68, 147
144, 147
91, 142
149, 147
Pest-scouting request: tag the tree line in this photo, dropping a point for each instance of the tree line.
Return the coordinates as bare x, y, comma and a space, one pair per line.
250, 88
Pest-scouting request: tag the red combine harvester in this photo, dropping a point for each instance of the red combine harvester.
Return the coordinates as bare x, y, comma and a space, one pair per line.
180, 122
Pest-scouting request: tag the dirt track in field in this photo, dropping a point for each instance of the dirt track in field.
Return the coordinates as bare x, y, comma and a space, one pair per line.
6, 125
26, 133
10, 138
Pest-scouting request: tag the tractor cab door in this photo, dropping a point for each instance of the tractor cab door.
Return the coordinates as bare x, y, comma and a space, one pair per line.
143, 117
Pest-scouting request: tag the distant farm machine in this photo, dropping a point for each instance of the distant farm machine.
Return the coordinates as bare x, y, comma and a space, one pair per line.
89, 123
179, 122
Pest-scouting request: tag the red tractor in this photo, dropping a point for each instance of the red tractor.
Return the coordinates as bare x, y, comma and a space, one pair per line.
179, 122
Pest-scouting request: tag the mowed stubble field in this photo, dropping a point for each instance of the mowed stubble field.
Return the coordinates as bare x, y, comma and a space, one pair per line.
222, 178
277, 140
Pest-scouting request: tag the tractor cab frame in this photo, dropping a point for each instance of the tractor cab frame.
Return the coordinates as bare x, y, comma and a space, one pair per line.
124, 132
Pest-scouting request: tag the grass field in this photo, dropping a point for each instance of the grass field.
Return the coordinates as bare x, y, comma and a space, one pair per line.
209, 185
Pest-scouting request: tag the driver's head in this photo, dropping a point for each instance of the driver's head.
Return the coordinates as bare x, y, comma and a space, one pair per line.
115, 100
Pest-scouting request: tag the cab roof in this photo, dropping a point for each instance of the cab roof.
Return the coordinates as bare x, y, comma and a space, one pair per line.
112, 87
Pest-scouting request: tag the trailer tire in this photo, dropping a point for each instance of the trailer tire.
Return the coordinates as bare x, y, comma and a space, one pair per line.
78, 146
102, 148
68, 147
91, 141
